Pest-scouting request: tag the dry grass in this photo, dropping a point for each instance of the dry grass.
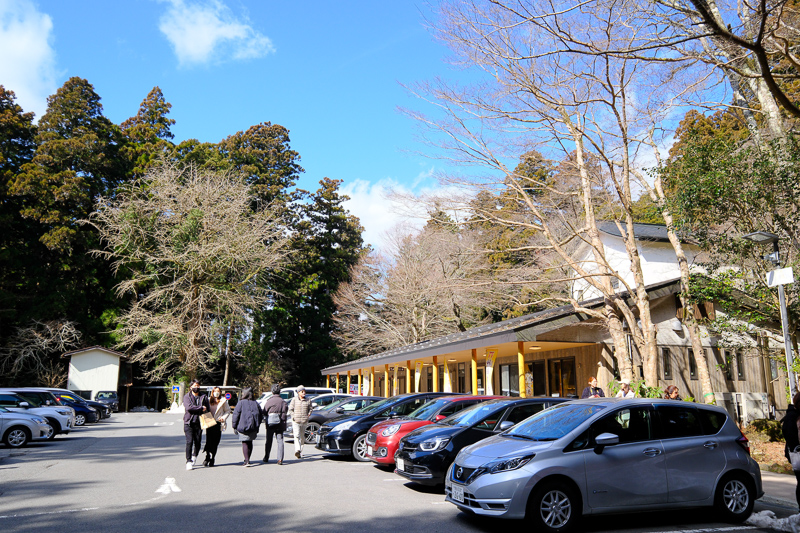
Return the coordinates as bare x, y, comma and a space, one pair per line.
768, 453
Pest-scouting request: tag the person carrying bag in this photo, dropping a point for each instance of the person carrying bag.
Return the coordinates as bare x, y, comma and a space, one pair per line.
790, 425
247, 417
275, 411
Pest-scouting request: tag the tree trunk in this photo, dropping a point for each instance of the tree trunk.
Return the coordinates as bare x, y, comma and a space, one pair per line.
227, 355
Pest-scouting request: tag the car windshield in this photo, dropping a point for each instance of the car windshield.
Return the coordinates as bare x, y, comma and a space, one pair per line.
474, 413
4, 410
375, 406
106, 395
553, 423
32, 399
335, 404
428, 410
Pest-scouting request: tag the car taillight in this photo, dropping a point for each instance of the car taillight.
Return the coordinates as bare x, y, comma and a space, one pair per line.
744, 443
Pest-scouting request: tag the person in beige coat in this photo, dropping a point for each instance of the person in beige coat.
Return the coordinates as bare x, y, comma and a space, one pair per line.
300, 407
221, 411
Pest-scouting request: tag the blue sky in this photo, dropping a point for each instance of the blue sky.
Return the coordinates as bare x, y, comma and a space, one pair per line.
328, 71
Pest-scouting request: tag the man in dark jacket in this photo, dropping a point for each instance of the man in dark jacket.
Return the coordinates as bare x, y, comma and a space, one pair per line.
275, 410
791, 434
194, 404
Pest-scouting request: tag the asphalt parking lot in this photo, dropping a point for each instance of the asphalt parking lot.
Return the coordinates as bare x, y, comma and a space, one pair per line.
128, 474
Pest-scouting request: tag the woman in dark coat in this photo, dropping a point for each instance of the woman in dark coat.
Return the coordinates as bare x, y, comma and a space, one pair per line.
275, 409
195, 404
247, 418
791, 433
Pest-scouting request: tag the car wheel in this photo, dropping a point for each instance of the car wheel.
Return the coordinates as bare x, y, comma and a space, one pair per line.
55, 426
80, 419
312, 428
51, 433
17, 437
734, 499
553, 507
360, 448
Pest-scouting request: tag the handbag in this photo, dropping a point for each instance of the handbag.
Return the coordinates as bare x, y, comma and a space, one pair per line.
273, 419
207, 420
794, 458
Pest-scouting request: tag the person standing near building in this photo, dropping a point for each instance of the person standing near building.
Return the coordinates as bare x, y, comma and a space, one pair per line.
218, 406
300, 408
275, 418
593, 391
672, 393
625, 389
194, 404
247, 419
790, 426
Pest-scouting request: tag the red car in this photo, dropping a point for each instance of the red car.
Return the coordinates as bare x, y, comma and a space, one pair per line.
383, 437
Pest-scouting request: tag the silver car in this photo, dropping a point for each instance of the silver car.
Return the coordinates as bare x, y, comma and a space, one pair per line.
608, 456
18, 429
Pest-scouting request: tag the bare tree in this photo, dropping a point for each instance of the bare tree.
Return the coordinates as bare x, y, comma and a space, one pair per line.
193, 251
36, 349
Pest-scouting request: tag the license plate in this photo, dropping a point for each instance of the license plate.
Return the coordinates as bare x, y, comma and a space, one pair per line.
400, 464
369, 450
316, 437
457, 492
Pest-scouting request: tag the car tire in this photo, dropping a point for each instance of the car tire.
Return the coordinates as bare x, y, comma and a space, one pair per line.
17, 437
56, 428
80, 419
312, 428
51, 434
360, 448
553, 507
735, 498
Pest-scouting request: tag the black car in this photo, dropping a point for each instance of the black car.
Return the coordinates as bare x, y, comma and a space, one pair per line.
83, 413
346, 405
425, 454
108, 397
347, 434
63, 395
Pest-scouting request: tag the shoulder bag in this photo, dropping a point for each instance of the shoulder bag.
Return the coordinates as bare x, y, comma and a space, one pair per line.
207, 420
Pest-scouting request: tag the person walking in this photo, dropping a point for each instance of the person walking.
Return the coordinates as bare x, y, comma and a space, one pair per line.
625, 389
218, 406
247, 418
672, 393
790, 426
275, 418
593, 391
300, 408
194, 404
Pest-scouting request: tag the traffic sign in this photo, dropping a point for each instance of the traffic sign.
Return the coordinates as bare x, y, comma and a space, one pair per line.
227, 395
176, 388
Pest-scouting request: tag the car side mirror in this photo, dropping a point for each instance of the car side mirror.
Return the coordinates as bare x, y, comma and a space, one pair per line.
439, 418
506, 424
340, 410
24, 404
314, 405
393, 414
603, 440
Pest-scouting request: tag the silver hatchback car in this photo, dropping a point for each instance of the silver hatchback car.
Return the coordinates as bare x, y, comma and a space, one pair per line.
608, 456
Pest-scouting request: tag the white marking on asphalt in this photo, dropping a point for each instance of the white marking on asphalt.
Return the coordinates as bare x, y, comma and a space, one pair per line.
168, 486
438, 503
164, 424
711, 529
395, 479
51, 512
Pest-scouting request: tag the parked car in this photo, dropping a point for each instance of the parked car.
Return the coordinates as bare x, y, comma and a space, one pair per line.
348, 404
320, 401
347, 434
608, 456
71, 398
18, 429
60, 417
425, 454
108, 397
83, 413
383, 437
287, 393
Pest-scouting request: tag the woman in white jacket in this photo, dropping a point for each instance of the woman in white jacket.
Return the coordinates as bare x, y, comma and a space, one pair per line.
221, 411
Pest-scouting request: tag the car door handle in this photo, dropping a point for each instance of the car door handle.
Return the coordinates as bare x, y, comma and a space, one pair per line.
651, 452
710, 445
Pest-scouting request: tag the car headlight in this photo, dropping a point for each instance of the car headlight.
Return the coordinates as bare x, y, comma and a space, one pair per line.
39, 420
391, 430
502, 465
343, 426
434, 445
63, 412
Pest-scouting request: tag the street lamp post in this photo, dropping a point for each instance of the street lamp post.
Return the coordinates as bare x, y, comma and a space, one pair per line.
779, 278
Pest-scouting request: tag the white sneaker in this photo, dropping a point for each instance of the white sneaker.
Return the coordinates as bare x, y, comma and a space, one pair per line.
189, 465
194, 459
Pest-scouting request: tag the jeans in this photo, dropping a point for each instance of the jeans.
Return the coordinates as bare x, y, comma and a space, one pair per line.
299, 434
194, 436
274, 430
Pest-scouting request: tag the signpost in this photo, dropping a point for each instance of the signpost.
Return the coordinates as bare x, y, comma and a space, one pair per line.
227, 395
779, 278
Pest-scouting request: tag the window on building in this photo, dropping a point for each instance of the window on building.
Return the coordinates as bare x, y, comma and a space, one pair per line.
462, 377
441, 378
536, 368
692, 365
666, 363
726, 364
561, 377
773, 368
740, 365
509, 380
429, 378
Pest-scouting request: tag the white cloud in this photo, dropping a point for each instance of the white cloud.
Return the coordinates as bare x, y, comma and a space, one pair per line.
204, 32
27, 61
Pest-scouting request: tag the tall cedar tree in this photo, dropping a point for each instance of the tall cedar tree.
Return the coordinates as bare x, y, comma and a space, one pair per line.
77, 159
149, 133
297, 327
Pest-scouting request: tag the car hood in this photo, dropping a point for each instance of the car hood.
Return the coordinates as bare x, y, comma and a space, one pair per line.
432, 431
497, 447
343, 418
406, 423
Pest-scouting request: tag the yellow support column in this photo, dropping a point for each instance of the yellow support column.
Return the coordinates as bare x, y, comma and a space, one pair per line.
408, 377
474, 370
360, 390
372, 381
348, 383
435, 374
386, 382
328, 381
521, 364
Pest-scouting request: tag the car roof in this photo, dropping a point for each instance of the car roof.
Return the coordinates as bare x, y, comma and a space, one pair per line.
617, 402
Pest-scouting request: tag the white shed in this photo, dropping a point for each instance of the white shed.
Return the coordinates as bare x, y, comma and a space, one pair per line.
93, 369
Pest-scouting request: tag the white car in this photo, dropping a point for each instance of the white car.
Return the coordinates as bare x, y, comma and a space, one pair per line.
56, 415
18, 429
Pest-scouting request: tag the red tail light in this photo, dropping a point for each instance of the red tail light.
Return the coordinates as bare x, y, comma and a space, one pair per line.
744, 443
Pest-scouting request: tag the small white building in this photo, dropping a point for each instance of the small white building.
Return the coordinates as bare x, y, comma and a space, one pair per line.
93, 369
